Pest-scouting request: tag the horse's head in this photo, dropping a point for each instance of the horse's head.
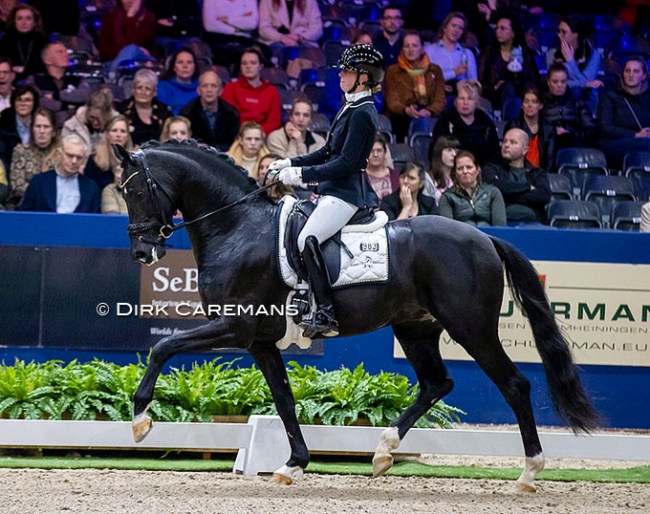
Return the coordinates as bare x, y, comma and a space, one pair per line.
150, 206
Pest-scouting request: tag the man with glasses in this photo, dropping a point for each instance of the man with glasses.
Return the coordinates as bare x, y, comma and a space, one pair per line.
64, 189
389, 42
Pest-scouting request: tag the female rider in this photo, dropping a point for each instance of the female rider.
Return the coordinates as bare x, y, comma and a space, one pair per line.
337, 168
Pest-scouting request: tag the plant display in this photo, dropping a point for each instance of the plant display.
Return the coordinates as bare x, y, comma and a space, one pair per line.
84, 391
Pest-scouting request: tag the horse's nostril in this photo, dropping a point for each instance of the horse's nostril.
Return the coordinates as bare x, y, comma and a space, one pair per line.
139, 255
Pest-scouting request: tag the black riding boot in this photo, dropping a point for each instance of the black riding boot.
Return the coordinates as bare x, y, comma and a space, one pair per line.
323, 322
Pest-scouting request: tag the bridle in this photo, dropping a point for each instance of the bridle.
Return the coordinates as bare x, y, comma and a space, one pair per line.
168, 228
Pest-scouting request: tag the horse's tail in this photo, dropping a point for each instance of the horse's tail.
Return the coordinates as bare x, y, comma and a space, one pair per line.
569, 397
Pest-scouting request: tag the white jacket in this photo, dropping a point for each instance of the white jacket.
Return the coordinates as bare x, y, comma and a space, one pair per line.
308, 25
243, 16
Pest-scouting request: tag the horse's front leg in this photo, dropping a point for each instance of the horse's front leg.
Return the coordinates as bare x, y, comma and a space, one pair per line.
215, 334
268, 358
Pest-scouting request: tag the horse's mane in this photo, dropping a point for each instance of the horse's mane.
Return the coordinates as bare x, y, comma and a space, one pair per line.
210, 158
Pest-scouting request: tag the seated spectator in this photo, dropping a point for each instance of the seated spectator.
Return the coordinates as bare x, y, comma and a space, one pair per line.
572, 119
23, 41
414, 87
582, 62
295, 138
59, 90
127, 32
275, 193
7, 77
178, 84
64, 189
381, 176
249, 148
112, 201
15, 122
525, 188
507, 65
455, 61
438, 178
409, 201
176, 127
645, 218
332, 98
541, 134
624, 114
469, 200
145, 112
389, 42
282, 25
176, 21
214, 121
230, 27
474, 128
60, 17
256, 100
103, 164
34, 157
90, 119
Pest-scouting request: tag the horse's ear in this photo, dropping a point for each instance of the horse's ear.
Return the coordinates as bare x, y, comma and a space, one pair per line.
122, 154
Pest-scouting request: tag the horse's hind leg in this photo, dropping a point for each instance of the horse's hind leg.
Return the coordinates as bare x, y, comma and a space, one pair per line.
515, 388
268, 358
420, 342
215, 334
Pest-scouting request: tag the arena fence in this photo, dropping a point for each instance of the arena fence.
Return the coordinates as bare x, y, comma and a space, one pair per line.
263, 447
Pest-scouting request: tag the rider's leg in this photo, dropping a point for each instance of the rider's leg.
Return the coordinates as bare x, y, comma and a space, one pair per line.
328, 218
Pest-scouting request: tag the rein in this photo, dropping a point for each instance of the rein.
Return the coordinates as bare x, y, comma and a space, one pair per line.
168, 228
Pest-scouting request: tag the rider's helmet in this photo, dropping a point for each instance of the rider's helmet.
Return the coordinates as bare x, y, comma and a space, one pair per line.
364, 59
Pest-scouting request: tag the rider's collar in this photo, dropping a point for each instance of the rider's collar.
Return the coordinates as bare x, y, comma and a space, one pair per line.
353, 97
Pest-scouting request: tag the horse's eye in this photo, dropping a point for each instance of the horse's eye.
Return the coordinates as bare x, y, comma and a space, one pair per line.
139, 194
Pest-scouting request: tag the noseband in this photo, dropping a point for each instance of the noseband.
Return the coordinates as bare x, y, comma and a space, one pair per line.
168, 227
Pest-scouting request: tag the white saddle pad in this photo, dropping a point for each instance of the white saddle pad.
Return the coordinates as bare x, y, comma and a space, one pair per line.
367, 243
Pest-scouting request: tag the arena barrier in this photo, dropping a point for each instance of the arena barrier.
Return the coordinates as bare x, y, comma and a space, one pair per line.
57, 269
263, 446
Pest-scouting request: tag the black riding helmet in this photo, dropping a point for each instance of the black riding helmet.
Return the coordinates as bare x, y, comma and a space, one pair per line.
363, 59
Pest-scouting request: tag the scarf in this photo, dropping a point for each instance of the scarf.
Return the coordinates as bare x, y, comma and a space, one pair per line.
417, 72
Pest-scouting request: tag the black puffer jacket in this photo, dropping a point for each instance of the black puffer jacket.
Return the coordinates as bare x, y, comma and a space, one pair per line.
567, 112
480, 137
615, 117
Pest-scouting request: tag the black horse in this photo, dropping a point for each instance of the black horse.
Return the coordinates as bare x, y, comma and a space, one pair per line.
444, 275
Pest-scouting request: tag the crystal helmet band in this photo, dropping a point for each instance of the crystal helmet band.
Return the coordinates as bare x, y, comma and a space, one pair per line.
363, 59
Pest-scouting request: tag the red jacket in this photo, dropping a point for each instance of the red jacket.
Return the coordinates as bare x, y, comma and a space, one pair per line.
260, 104
118, 31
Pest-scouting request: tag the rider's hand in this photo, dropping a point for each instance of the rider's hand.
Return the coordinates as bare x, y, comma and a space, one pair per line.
292, 176
278, 165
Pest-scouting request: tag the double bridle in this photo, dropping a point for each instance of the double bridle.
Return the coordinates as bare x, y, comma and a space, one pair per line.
168, 227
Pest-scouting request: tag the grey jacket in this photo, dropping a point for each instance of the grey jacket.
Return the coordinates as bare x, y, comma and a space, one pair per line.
486, 208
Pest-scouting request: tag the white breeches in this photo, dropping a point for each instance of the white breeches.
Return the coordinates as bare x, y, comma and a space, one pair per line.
330, 216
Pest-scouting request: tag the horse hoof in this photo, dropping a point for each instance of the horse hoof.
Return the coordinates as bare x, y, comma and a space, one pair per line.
381, 464
142, 425
286, 475
525, 488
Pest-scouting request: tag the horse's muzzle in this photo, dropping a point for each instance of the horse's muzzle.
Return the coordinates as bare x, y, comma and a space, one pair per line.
147, 252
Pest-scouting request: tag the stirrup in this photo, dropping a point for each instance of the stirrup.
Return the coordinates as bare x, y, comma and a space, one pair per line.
323, 323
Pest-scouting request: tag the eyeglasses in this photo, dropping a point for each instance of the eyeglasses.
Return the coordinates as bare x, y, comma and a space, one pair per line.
25, 100
392, 18
146, 89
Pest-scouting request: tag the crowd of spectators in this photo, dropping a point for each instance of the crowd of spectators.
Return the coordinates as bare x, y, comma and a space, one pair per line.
201, 69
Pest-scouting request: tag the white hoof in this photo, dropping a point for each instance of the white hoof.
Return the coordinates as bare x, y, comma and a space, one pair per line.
381, 464
141, 426
286, 475
526, 481
383, 460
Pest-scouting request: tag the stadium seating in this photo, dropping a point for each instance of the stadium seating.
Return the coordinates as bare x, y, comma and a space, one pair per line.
401, 154
385, 127
636, 163
574, 214
606, 191
578, 163
560, 187
626, 216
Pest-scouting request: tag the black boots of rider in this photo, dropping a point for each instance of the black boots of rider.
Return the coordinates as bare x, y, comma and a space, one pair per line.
323, 323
